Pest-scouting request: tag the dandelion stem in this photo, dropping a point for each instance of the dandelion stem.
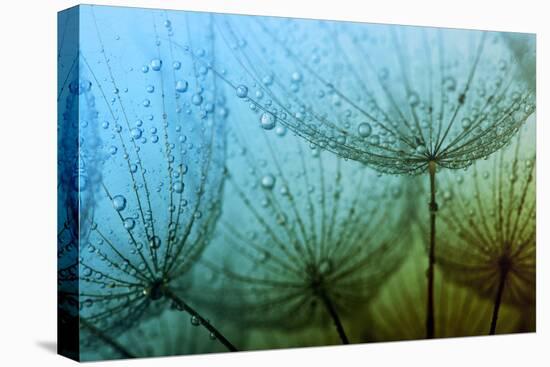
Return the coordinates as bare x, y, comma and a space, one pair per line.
106, 339
430, 324
498, 299
183, 306
332, 311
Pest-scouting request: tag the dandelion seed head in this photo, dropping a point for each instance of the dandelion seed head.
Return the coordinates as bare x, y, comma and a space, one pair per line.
448, 96
402, 302
298, 232
489, 229
158, 194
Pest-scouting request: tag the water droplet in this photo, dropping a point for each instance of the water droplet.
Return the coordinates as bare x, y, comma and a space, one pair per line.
223, 112
181, 86
145, 69
150, 89
178, 187
374, 140
136, 133
296, 76
209, 107
242, 91
156, 64
196, 99
325, 266
421, 149
85, 86
176, 65
383, 74
267, 121
119, 202
466, 122
364, 129
195, 320
154, 242
267, 80
413, 99
129, 223
146, 103
280, 131
449, 83
268, 181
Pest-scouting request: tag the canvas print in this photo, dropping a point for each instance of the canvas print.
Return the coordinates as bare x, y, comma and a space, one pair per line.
235, 182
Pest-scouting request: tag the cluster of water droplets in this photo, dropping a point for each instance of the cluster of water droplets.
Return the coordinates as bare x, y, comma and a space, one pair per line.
394, 99
160, 120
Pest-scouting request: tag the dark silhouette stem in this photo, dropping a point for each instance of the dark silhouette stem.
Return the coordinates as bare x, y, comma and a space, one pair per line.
182, 305
106, 339
430, 323
498, 299
334, 315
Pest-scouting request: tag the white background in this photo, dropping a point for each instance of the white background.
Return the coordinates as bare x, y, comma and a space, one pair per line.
28, 182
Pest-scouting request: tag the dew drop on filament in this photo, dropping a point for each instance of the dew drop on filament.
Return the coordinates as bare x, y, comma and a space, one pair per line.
195, 320
267, 121
268, 182
242, 91
181, 86
154, 242
119, 202
364, 129
156, 64
178, 187
129, 223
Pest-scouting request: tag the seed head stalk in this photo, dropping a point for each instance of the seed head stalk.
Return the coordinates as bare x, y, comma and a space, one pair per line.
183, 306
334, 315
498, 297
430, 323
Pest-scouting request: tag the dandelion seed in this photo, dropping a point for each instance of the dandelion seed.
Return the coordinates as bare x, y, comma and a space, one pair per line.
148, 231
398, 313
493, 251
326, 242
